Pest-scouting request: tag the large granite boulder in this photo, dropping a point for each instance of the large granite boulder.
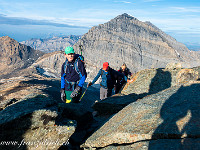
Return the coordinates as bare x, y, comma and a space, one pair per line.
145, 82
28, 87
36, 130
166, 144
186, 75
154, 80
198, 70
171, 115
29, 114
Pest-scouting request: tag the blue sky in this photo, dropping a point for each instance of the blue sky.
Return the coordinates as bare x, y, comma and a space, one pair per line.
26, 19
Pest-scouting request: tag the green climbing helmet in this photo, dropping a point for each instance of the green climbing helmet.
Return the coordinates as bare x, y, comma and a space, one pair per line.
69, 50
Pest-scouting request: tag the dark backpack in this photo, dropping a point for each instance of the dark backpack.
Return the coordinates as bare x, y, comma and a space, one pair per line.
77, 59
111, 74
126, 72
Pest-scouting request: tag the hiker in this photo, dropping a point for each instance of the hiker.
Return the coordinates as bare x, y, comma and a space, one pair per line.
123, 69
108, 79
73, 75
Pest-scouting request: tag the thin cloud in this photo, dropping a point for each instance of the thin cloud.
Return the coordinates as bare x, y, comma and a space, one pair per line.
186, 9
152, 0
24, 21
89, 22
126, 2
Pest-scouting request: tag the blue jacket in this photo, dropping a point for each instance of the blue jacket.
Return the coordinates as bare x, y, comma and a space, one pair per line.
71, 75
108, 79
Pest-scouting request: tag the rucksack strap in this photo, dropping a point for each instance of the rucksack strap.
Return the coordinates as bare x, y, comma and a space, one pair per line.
110, 71
101, 72
65, 66
75, 66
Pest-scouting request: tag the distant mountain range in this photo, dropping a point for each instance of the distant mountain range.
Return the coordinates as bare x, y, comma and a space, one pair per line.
52, 44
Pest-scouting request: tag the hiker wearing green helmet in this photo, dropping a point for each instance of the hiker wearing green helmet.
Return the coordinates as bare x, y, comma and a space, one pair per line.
73, 75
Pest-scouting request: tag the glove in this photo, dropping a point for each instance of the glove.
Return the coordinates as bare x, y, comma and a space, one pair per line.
63, 95
76, 92
89, 84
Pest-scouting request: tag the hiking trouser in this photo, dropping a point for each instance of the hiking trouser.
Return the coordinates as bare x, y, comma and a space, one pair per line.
118, 87
72, 100
104, 93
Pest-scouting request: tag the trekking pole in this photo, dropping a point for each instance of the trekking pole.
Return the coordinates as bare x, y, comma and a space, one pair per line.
83, 94
81, 48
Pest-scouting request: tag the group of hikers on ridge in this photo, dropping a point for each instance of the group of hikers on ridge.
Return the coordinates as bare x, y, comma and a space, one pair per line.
73, 76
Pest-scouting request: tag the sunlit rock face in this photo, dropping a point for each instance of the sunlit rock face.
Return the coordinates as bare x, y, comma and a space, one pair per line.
169, 118
15, 57
140, 45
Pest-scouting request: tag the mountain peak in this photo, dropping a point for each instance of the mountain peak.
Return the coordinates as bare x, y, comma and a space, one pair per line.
125, 16
16, 55
9, 46
7, 39
140, 44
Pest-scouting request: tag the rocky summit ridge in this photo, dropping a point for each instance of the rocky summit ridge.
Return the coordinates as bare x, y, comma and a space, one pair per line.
140, 45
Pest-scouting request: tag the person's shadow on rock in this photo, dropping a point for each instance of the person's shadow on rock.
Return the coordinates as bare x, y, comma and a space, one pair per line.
181, 120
